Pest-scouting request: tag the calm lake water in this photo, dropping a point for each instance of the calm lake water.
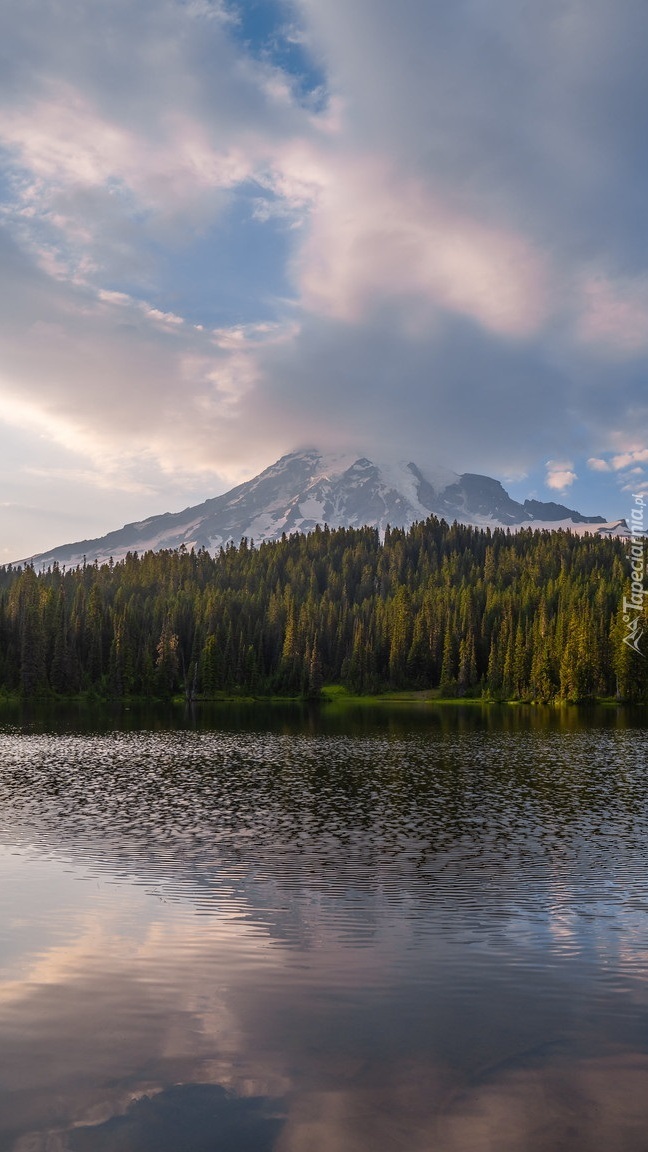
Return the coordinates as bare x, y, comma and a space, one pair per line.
258, 929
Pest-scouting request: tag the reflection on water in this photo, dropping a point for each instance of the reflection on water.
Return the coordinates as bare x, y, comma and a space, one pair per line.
291, 717
303, 930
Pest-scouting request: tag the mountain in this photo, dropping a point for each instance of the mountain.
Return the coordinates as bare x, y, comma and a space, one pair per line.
304, 489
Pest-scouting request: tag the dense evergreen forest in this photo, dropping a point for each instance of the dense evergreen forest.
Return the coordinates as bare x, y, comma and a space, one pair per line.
529, 616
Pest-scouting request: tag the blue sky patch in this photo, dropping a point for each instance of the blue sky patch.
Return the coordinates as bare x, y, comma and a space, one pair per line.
269, 31
236, 273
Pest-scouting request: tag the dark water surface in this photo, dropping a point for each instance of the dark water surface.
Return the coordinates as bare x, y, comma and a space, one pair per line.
254, 929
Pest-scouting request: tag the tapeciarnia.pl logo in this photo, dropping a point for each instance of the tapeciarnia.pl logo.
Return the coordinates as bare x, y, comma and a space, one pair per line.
633, 606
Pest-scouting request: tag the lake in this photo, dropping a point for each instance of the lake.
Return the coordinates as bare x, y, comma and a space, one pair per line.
323, 930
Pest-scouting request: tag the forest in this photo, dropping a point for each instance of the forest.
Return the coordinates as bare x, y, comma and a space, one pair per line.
469, 613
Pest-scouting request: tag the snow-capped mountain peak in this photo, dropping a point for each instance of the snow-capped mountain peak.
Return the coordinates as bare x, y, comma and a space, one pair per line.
307, 488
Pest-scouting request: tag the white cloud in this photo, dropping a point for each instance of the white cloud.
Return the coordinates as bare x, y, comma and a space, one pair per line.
560, 475
633, 456
376, 235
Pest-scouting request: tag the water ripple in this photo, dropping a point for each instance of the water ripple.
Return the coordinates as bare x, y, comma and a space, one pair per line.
511, 821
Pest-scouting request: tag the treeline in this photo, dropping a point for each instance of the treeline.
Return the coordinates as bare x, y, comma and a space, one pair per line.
530, 615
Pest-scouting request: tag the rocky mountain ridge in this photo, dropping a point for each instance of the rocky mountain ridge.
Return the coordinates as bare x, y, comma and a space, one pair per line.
304, 489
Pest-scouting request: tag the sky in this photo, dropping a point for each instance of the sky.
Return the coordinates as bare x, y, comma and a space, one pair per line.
233, 230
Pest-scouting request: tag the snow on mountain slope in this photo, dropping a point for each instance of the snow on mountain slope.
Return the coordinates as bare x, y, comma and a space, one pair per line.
304, 489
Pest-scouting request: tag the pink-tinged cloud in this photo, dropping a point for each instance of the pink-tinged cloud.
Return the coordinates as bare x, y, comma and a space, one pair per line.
377, 235
614, 315
627, 459
560, 475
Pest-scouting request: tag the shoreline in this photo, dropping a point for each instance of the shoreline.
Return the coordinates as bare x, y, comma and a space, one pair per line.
331, 696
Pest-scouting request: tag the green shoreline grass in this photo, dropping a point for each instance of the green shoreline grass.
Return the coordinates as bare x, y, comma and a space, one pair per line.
431, 696
332, 695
